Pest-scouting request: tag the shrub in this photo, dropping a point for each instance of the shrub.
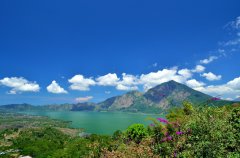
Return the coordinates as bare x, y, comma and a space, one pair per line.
136, 132
211, 134
40, 143
187, 107
117, 135
235, 122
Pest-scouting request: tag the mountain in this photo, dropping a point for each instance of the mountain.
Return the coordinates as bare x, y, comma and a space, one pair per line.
173, 94
19, 107
52, 107
155, 100
83, 107
238, 99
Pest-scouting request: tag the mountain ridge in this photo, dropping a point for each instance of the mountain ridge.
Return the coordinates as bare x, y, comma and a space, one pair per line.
157, 99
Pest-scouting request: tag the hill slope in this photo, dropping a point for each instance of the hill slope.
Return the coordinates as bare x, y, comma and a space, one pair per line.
159, 98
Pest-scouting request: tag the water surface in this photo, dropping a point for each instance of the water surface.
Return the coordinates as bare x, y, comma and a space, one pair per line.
97, 122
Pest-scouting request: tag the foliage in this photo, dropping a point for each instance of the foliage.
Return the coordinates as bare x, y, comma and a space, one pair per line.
136, 132
189, 131
117, 135
40, 142
187, 107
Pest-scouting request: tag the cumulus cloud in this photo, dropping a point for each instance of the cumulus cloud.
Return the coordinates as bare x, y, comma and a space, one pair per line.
231, 88
209, 60
128, 82
128, 79
126, 88
55, 88
154, 78
19, 84
194, 83
199, 69
235, 83
216, 90
83, 99
79, 82
211, 76
186, 73
109, 79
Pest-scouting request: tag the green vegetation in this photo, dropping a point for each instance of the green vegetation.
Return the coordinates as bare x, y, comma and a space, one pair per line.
14, 120
187, 131
136, 132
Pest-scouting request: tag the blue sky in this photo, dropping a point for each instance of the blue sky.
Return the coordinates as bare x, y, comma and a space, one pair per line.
92, 50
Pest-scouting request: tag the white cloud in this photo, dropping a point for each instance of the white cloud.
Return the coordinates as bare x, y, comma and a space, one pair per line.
55, 88
216, 90
230, 89
107, 92
83, 99
211, 76
126, 88
209, 60
234, 84
154, 78
128, 82
198, 69
236, 23
186, 73
234, 26
129, 79
229, 99
194, 83
232, 42
79, 82
109, 79
19, 84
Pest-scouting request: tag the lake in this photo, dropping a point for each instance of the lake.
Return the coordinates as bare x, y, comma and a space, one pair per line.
97, 122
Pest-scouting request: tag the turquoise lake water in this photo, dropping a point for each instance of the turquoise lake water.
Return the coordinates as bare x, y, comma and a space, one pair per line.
97, 122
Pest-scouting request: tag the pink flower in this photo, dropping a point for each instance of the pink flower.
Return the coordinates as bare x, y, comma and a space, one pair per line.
162, 120
169, 138
179, 133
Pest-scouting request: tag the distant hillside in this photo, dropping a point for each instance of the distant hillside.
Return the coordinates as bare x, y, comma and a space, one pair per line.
19, 107
155, 100
52, 107
238, 99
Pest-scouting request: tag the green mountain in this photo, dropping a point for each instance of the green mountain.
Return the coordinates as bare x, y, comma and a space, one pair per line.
155, 100
173, 93
19, 107
51, 107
